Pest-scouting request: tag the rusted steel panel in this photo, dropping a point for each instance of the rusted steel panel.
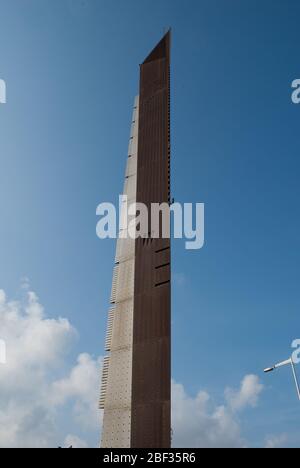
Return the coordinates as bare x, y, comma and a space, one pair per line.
151, 367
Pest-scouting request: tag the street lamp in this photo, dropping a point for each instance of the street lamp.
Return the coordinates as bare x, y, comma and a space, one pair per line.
286, 363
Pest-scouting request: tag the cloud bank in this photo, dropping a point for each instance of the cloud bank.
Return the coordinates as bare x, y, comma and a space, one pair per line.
199, 422
45, 402
33, 395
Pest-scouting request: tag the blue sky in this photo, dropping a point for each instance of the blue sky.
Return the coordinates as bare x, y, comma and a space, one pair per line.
71, 69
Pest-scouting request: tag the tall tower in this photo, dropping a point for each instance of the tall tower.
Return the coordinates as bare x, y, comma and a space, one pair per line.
136, 380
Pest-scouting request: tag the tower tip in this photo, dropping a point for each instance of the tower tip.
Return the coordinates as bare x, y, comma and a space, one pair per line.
162, 49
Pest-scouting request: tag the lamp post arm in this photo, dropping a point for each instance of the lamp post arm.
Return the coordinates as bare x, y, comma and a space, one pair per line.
295, 378
284, 363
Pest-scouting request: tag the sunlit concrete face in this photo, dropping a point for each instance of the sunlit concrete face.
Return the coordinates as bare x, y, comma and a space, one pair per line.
116, 393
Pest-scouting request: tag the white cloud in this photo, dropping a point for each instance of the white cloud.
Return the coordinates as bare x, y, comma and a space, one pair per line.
276, 441
75, 442
25, 283
82, 386
37, 347
247, 395
199, 422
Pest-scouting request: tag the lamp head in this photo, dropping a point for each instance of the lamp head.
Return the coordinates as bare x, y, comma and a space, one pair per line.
269, 369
